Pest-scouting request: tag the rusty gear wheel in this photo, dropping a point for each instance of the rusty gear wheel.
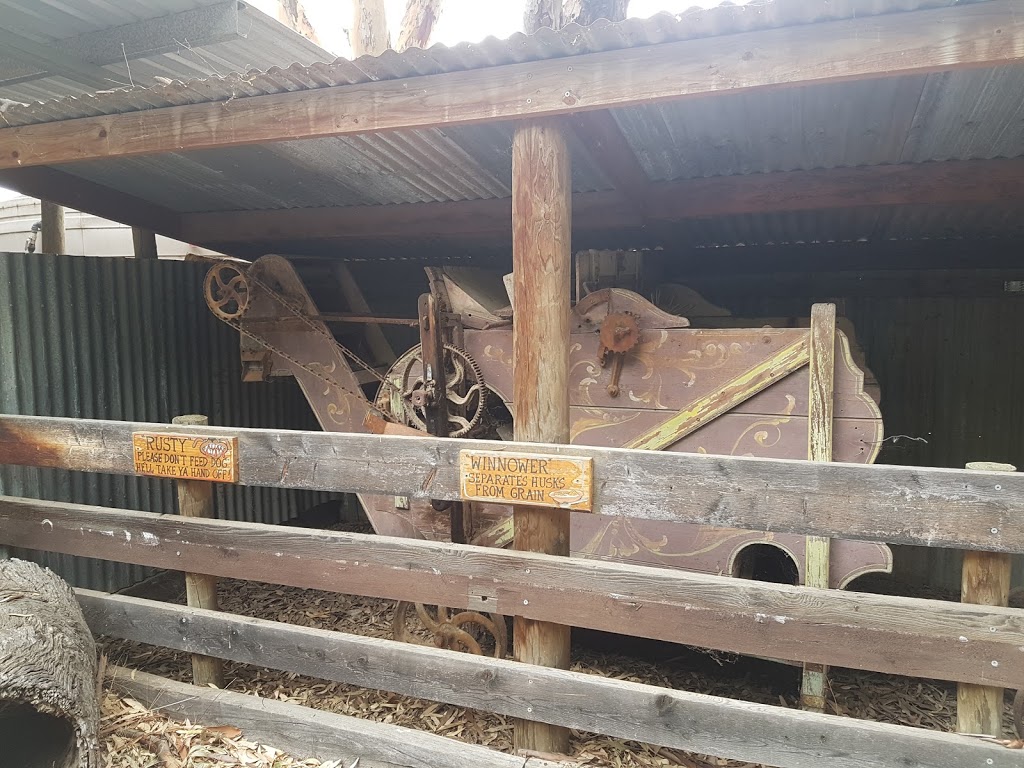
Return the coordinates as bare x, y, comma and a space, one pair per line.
464, 388
466, 631
620, 332
227, 291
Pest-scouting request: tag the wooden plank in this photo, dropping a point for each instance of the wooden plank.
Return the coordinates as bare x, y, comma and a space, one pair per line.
735, 391
676, 719
304, 732
958, 182
74, 192
985, 580
881, 633
903, 505
821, 407
195, 500
144, 243
892, 45
541, 268
53, 236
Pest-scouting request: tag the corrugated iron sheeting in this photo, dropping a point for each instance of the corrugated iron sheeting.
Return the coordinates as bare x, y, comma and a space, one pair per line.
950, 371
261, 43
571, 40
107, 338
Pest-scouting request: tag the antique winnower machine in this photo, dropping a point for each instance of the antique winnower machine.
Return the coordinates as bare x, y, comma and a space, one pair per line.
640, 377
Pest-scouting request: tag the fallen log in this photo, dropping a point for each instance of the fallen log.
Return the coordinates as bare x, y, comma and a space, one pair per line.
49, 706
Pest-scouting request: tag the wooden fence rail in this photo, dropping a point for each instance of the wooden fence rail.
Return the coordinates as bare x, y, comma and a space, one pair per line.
925, 638
902, 505
676, 719
305, 732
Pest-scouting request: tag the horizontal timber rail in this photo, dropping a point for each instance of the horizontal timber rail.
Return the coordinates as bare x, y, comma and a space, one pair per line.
676, 719
925, 638
901, 505
305, 732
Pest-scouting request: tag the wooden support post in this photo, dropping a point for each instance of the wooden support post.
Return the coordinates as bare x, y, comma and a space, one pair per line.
144, 243
985, 581
53, 237
819, 448
541, 262
195, 499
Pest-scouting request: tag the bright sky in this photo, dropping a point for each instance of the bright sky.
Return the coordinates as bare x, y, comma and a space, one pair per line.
461, 21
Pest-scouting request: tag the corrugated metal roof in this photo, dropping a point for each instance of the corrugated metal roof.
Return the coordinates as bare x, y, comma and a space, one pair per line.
258, 42
962, 115
571, 40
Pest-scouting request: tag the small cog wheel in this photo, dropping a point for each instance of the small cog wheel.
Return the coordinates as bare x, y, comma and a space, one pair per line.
227, 291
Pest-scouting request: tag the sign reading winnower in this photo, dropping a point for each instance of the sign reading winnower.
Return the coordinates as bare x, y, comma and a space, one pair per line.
525, 478
186, 457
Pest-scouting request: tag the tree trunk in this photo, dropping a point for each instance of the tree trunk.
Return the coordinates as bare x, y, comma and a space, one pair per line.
586, 12
418, 23
369, 33
292, 14
543, 13
49, 707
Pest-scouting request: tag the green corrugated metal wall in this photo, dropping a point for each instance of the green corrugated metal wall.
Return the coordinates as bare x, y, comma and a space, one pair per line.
107, 338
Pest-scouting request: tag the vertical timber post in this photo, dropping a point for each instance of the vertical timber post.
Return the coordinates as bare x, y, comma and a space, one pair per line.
144, 243
819, 448
53, 234
541, 267
985, 581
195, 499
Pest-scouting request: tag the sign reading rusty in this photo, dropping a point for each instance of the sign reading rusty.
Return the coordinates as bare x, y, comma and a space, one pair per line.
186, 457
524, 478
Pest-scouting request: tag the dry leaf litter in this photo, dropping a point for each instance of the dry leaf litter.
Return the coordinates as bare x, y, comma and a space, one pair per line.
138, 738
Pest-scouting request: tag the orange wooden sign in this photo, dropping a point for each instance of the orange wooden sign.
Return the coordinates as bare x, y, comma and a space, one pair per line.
525, 478
186, 457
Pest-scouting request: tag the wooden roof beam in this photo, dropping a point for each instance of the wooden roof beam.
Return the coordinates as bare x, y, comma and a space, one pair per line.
946, 183
982, 34
87, 196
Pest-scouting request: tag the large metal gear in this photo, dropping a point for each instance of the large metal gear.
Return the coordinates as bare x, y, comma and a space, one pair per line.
467, 631
227, 291
464, 388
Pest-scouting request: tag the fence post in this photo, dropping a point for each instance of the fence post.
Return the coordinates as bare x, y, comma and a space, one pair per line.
985, 581
195, 499
817, 551
541, 263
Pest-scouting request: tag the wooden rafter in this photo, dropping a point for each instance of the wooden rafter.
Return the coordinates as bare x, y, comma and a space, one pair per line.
87, 196
981, 34
949, 183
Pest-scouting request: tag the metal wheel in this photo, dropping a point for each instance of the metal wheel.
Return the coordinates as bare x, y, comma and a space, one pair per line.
467, 631
464, 388
226, 289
